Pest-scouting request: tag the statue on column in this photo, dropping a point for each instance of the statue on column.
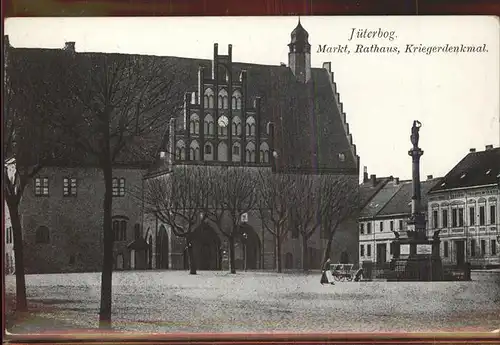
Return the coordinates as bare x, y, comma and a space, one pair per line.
414, 133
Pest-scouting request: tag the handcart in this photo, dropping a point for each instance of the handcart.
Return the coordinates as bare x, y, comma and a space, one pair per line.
342, 272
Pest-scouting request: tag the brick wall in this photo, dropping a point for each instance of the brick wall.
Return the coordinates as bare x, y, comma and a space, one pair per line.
75, 222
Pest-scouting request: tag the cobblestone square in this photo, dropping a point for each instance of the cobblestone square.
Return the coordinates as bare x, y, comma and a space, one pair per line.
173, 301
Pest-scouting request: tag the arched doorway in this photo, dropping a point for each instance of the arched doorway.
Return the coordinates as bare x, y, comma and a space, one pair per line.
206, 248
162, 248
250, 242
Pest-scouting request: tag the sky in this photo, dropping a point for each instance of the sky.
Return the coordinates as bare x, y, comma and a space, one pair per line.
454, 96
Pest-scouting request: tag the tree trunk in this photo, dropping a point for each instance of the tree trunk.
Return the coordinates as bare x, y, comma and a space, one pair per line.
327, 252
278, 254
17, 233
232, 266
305, 259
191, 258
108, 238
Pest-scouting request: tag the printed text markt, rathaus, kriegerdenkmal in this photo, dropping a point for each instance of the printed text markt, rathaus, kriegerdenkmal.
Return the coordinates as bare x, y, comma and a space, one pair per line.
406, 48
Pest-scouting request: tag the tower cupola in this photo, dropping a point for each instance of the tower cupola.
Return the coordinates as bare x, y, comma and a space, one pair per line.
299, 55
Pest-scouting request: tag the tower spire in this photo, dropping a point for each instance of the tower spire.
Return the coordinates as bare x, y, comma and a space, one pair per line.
299, 55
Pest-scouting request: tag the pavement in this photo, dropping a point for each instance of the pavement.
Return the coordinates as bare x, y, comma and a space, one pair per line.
174, 301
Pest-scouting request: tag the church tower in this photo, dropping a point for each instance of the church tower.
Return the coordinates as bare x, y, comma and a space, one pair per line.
299, 56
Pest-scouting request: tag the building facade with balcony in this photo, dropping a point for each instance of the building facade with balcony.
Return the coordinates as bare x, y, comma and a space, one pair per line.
465, 208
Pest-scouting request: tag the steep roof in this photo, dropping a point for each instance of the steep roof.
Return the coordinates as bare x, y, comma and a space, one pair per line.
368, 190
400, 203
475, 169
379, 200
311, 130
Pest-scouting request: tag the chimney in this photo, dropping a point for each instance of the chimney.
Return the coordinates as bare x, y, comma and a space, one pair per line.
365, 174
69, 46
472, 150
489, 147
429, 177
396, 180
373, 179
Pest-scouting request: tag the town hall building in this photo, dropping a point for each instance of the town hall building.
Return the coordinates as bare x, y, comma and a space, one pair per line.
284, 118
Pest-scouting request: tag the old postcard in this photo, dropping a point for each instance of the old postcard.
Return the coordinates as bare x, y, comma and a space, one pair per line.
252, 174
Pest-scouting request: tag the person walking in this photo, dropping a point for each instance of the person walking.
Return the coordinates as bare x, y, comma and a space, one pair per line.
324, 270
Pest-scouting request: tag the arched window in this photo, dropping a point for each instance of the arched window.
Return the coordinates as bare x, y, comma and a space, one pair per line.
195, 151
209, 125
208, 98
208, 148
250, 126
250, 152
236, 128
208, 154
223, 99
180, 150
236, 151
120, 229
236, 100
194, 124
264, 153
42, 235
222, 152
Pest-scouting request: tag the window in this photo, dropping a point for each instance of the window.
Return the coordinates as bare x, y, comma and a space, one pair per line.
208, 149
236, 100
446, 249
454, 218
118, 186
236, 149
236, 128
493, 214
223, 99
69, 186
120, 230
391, 248
362, 228
42, 235
381, 226
472, 216
493, 247
368, 250
8, 235
445, 218
341, 157
209, 98
472, 247
460, 217
482, 218
435, 219
483, 247
223, 131
362, 250
368, 228
250, 126
400, 224
391, 225
250, 152
41, 186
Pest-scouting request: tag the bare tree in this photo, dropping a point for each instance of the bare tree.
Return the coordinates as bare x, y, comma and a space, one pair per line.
121, 102
305, 210
232, 193
339, 202
274, 192
179, 199
29, 141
